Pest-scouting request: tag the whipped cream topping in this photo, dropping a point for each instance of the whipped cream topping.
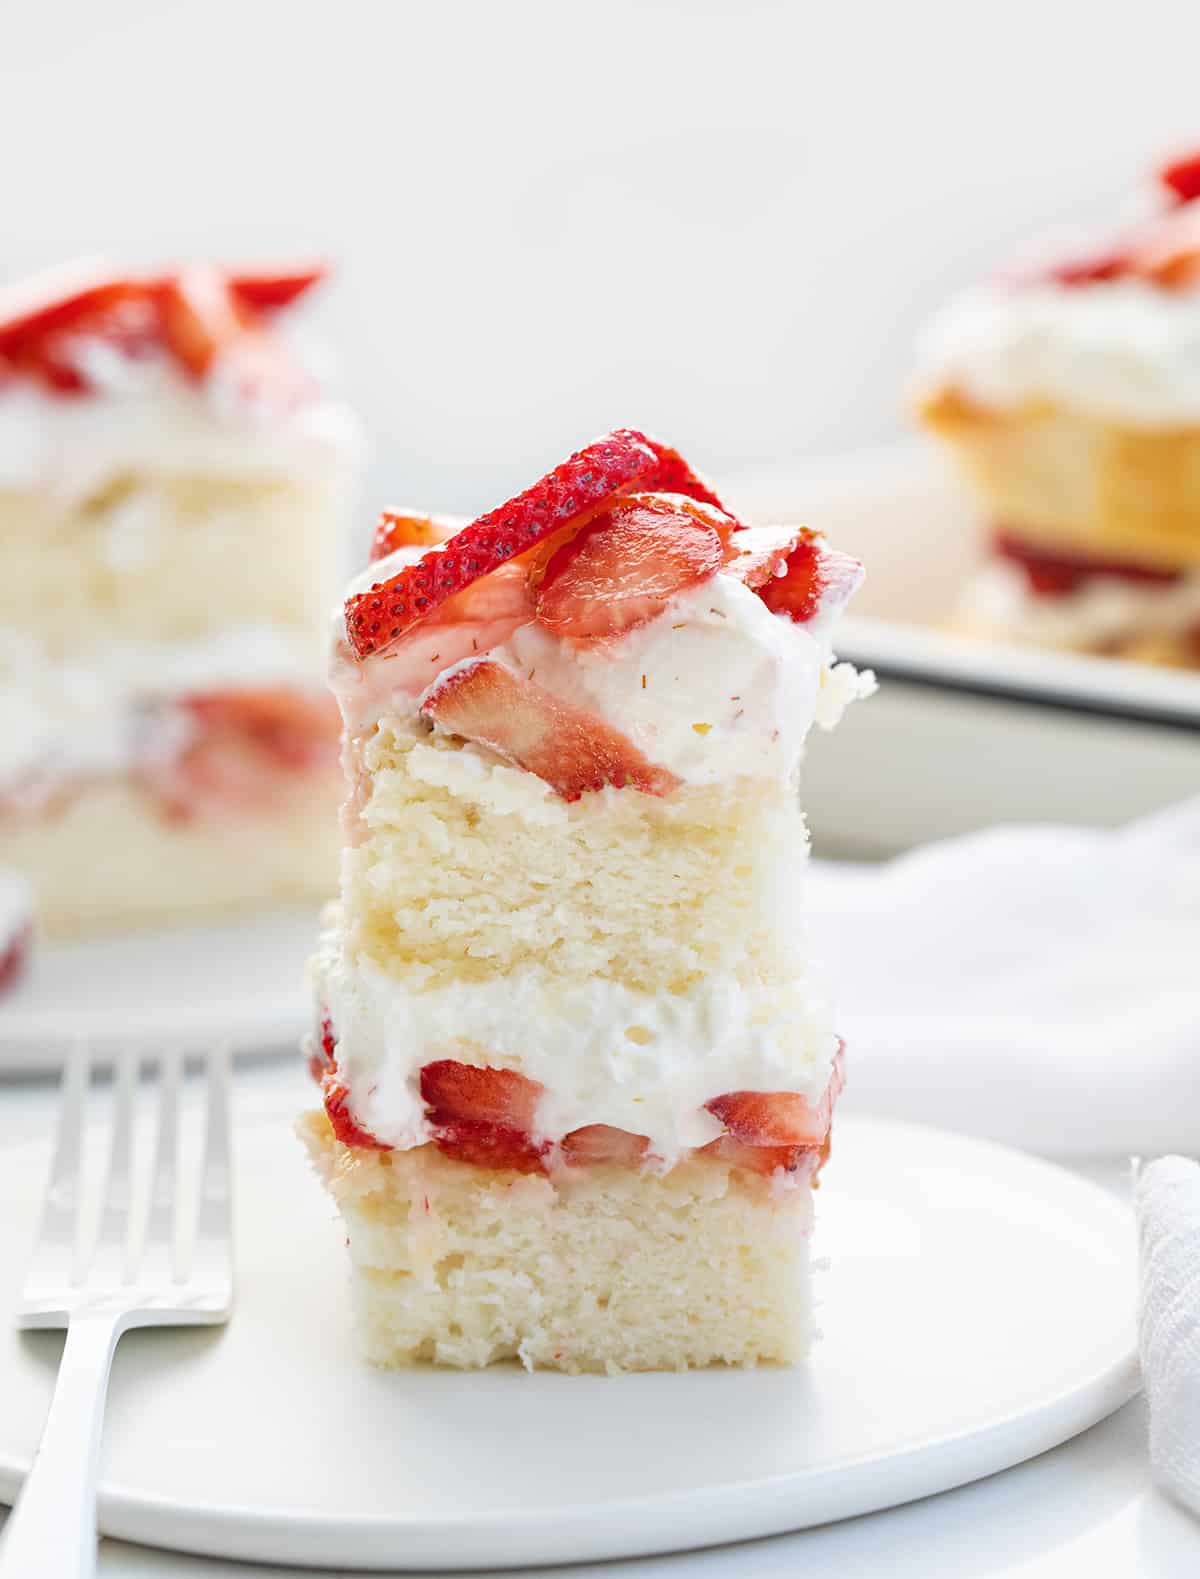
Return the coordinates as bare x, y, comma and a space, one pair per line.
1125, 350
713, 688
61, 721
1102, 610
605, 1054
142, 414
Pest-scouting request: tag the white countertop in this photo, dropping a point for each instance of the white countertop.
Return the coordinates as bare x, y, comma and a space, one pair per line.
1088, 1506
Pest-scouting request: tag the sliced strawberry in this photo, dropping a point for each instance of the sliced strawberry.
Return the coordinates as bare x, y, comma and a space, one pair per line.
14, 957
345, 1126
409, 529
627, 563
780, 1118
1167, 250
295, 727
571, 750
816, 578
1089, 268
267, 290
760, 554
490, 1146
761, 1159
568, 495
58, 299
674, 475
490, 1096
1181, 176
597, 1143
322, 1051
1057, 573
200, 316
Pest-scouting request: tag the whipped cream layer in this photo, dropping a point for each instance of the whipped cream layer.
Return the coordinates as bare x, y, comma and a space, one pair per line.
1124, 350
714, 688
1104, 609
62, 721
606, 1054
143, 415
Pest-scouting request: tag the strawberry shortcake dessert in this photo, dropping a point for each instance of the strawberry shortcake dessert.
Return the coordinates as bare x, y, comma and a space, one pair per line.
173, 482
1070, 393
578, 1070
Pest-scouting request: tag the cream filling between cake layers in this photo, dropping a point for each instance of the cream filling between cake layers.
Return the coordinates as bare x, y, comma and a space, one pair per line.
101, 712
645, 1062
1103, 609
1124, 350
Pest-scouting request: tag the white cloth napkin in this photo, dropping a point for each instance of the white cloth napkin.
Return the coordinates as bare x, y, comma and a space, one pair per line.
1167, 1194
1037, 985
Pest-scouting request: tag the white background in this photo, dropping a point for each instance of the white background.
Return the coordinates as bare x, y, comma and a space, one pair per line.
723, 221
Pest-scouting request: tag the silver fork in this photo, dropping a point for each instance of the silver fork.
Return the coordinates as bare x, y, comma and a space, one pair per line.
135, 1275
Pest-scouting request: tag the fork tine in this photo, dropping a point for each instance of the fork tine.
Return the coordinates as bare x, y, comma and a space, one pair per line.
211, 1257
160, 1254
112, 1260
56, 1258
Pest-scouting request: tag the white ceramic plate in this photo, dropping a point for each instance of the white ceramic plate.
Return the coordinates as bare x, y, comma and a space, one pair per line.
964, 733
241, 983
978, 1309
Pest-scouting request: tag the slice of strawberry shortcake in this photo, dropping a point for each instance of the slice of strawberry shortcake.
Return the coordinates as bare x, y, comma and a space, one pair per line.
173, 482
577, 1071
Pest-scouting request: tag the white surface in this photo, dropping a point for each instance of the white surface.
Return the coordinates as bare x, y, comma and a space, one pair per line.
738, 252
953, 761
979, 1310
1057, 1014
1167, 1197
240, 983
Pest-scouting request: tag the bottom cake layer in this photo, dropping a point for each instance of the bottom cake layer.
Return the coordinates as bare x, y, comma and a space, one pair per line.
108, 859
595, 1269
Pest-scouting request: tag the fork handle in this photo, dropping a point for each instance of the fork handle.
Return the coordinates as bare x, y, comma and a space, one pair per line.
51, 1532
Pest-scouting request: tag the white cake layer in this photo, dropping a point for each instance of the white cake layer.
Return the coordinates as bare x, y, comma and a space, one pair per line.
604, 1269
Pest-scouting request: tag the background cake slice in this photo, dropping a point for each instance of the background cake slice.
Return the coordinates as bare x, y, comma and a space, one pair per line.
173, 483
1070, 393
578, 1070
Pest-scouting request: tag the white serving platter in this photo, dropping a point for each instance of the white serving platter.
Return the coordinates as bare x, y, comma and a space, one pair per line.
977, 1310
963, 734
240, 984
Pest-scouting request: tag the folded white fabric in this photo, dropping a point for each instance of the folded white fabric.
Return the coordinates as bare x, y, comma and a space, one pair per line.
1167, 1195
1037, 985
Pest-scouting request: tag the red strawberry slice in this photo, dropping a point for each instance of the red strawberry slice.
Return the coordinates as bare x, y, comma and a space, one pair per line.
410, 529
14, 957
758, 555
1167, 251
1181, 176
1057, 573
490, 1146
780, 1118
200, 316
267, 290
345, 1126
598, 1143
452, 1090
568, 495
816, 577
674, 475
322, 1050
58, 299
570, 749
761, 1159
628, 562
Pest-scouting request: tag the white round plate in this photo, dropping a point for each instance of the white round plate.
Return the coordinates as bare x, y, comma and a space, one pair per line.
240, 983
977, 1310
